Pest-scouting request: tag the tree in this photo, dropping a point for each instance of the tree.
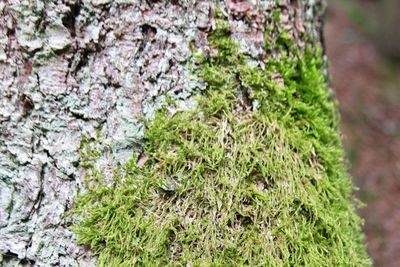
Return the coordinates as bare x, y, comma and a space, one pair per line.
194, 132
388, 37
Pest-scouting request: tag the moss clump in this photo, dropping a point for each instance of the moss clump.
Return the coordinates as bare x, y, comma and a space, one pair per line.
253, 176
89, 151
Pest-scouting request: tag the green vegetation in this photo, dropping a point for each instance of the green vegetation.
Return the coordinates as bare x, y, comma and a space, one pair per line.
253, 176
89, 151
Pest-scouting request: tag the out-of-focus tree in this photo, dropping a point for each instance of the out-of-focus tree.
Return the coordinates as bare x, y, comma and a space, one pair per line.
388, 34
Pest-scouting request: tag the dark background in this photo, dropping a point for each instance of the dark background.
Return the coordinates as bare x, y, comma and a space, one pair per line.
363, 46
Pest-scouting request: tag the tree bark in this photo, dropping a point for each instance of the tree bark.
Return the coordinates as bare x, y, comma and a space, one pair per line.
71, 69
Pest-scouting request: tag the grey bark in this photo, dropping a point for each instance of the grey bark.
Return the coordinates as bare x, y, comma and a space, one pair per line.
74, 68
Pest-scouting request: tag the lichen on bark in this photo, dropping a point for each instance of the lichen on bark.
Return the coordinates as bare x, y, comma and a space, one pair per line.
70, 69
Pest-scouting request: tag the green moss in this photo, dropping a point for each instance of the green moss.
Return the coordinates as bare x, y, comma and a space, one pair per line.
253, 176
43, 57
89, 151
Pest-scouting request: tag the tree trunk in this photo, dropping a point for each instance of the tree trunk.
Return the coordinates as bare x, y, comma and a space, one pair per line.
388, 36
77, 70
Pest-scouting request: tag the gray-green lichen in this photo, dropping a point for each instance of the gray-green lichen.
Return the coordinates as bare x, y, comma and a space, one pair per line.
67, 70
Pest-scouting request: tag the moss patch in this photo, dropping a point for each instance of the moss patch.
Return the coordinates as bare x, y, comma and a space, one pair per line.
253, 176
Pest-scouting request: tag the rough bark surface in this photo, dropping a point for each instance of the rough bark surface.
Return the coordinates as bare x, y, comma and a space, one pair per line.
74, 68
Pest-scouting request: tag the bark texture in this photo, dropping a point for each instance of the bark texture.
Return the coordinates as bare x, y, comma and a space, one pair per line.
75, 68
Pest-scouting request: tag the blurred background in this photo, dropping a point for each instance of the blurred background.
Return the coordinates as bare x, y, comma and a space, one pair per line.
363, 46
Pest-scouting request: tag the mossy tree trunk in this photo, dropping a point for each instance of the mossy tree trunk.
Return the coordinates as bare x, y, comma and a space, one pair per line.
79, 73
